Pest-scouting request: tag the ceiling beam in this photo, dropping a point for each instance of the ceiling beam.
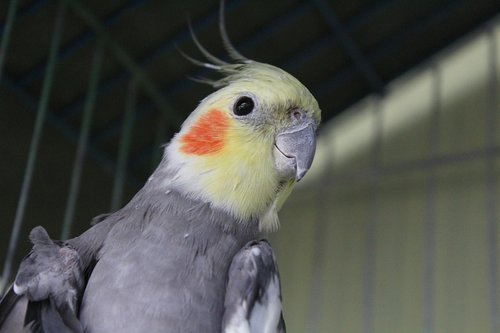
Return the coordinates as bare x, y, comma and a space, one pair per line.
75, 44
31, 103
28, 9
389, 44
350, 46
139, 76
168, 45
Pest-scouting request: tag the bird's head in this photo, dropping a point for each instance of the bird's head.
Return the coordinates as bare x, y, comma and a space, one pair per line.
245, 145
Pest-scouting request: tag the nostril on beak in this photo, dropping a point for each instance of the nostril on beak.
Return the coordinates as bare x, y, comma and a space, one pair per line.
297, 114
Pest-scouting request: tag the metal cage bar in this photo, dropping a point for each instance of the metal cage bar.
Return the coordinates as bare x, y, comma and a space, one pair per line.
74, 45
124, 148
35, 141
9, 22
124, 58
76, 173
491, 183
373, 220
430, 209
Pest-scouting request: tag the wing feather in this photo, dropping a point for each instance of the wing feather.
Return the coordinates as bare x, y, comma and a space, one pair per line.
50, 280
253, 294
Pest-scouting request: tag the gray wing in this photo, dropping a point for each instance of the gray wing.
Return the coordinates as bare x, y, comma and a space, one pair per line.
50, 280
12, 312
253, 293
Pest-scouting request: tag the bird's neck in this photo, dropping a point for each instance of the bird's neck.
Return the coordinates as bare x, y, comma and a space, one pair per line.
194, 214
240, 179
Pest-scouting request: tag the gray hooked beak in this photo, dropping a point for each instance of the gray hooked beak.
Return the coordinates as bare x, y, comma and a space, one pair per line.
294, 149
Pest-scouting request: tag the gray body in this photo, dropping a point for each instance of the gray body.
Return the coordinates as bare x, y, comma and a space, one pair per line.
163, 267
163, 263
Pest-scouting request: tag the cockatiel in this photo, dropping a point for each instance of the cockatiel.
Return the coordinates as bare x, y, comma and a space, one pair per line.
184, 254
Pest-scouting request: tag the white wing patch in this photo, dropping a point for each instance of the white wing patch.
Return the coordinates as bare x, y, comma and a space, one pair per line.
253, 295
265, 316
238, 322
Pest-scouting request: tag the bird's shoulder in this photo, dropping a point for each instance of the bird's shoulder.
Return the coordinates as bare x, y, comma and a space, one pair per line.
51, 278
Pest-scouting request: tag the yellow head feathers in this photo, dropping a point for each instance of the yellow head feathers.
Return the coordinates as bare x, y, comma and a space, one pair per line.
275, 87
246, 144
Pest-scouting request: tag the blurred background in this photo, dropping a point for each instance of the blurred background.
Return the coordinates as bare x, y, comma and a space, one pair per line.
397, 226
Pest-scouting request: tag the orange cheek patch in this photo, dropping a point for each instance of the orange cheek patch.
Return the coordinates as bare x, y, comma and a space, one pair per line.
207, 134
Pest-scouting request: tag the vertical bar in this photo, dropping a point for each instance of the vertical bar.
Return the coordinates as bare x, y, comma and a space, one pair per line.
135, 71
124, 149
80, 41
491, 184
371, 227
320, 239
429, 223
82, 141
9, 22
35, 140
27, 9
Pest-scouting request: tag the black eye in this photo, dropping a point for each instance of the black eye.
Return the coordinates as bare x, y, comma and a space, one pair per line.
243, 106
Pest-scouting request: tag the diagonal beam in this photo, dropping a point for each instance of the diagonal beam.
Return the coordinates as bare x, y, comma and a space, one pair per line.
168, 45
31, 102
75, 44
126, 60
27, 9
349, 45
388, 45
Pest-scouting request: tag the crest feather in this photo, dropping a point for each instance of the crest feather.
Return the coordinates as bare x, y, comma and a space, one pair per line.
209, 56
235, 55
230, 71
